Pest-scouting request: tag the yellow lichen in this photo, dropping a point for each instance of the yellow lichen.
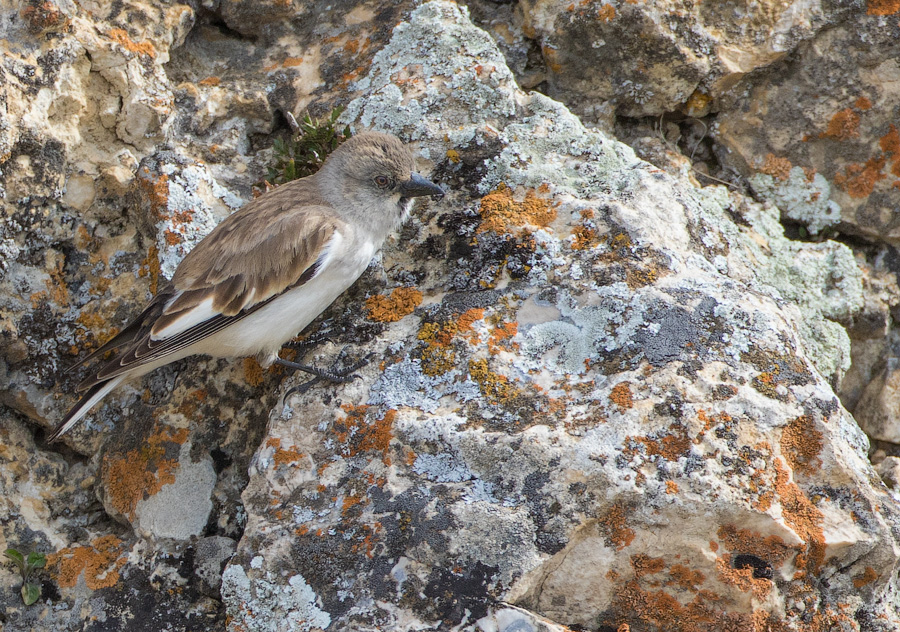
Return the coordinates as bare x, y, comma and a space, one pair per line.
495, 387
501, 212
98, 563
389, 309
141, 473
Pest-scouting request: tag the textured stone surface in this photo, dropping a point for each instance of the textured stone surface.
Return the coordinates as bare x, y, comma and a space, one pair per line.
610, 407
797, 97
602, 395
655, 57
821, 127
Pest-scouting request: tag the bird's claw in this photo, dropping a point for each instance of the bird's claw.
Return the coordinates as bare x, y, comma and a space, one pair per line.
340, 376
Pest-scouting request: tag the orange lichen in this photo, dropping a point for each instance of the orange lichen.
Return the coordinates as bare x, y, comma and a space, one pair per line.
211, 81
862, 104
502, 333
803, 517
843, 126
882, 7
621, 396
283, 456
191, 402
613, 525
550, 57
869, 575
142, 48
155, 188
584, 237
801, 444
44, 17
453, 156
98, 563
402, 302
349, 502
778, 168
172, 238
357, 435
606, 13
810, 174
770, 548
671, 487
56, 285
253, 372
742, 578
671, 447
646, 565
94, 327
141, 473
466, 321
351, 46
495, 387
290, 62
150, 266
859, 181
660, 610
685, 578
365, 540
500, 211
890, 143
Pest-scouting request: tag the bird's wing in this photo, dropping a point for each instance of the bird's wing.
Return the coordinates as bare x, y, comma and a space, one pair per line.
132, 330
272, 245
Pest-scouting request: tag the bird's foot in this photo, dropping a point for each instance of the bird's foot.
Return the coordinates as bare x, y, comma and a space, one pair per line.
334, 374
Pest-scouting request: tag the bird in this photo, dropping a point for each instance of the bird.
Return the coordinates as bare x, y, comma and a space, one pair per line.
268, 269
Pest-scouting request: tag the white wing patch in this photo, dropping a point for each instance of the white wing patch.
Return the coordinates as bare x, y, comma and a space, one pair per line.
194, 316
329, 251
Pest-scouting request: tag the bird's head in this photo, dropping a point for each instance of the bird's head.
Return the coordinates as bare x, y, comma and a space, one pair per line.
372, 176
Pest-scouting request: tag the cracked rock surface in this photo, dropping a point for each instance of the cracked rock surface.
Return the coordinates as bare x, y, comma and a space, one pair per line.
603, 394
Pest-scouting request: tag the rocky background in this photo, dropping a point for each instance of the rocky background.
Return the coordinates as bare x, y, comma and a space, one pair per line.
636, 371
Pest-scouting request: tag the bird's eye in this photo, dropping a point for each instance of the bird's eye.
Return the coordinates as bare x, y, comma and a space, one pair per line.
382, 182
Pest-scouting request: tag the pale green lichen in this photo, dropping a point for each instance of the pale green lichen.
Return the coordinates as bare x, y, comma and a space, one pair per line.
802, 198
440, 42
549, 145
822, 279
264, 604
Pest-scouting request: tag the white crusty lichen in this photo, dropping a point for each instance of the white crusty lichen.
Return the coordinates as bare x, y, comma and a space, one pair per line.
195, 204
264, 604
468, 79
549, 145
800, 197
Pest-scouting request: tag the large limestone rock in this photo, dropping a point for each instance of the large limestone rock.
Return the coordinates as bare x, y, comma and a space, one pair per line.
611, 407
603, 396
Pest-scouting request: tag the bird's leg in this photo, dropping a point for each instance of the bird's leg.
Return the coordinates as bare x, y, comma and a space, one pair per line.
341, 376
310, 341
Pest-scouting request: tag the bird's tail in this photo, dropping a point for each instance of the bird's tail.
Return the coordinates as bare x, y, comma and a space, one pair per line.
91, 397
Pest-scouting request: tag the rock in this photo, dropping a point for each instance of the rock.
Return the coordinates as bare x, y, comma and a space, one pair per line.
808, 142
603, 397
889, 471
611, 407
663, 56
210, 556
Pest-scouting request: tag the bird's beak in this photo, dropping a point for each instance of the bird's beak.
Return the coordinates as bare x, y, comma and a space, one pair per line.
417, 186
